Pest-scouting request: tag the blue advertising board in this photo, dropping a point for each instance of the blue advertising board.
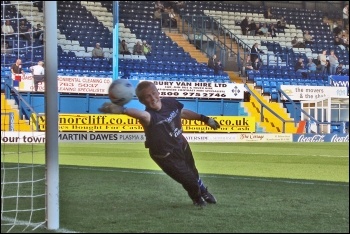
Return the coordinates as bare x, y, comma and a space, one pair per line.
339, 81
321, 137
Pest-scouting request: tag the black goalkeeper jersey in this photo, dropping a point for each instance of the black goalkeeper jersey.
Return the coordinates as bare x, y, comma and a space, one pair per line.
164, 134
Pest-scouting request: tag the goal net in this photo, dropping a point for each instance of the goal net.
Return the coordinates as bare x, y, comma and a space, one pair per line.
24, 185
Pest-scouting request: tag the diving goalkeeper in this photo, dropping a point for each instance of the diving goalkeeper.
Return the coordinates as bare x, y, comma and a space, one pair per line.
167, 146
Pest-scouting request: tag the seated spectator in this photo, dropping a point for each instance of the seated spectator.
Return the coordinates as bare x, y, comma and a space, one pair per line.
245, 25
97, 52
311, 66
146, 48
158, 15
282, 23
272, 31
263, 30
340, 71
308, 40
138, 50
123, 48
256, 65
252, 28
300, 68
159, 6
218, 68
336, 29
5, 48
247, 66
337, 41
25, 32
297, 44
39, 34
7, 29
267, 13
344, 41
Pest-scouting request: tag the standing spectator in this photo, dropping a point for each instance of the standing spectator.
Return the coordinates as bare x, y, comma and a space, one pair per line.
16, 69
311, 66
212, 61
345, 16
272, 30
324, 63
97, 52
25, 32
38, 73
7, 29
138, 50
123, 48
252, 28
38, 33
300, 68
172, 20
255, 52
169, 149
245, 25
333, 62
158, 15
308, 40
146, 48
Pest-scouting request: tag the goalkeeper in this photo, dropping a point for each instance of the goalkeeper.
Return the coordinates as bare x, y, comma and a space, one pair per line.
167, 146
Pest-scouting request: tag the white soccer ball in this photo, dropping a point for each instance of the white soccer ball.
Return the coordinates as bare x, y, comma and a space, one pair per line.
121, 91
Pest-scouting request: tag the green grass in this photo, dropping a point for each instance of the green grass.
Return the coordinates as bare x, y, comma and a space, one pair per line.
260, 187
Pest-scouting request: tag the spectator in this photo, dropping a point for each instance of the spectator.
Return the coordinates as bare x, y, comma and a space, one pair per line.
25, 32
311, 66
159, 6
158, 15
263, 30
333, 62
7, 29
123, 48
297, 44
300, 68
212, 61
138, 50
252, 28
336, 29
319, 68
267, 13
38, 74
38, 33
344, 41
16, 69
340, 70
337, 41
97, 52
172, 20
179, 5
345, 16
247, 66
146, 48
5, 48
308, 40
245, 25
256, 65
218, 68
255, 52
282, 23
323, 61
272, 30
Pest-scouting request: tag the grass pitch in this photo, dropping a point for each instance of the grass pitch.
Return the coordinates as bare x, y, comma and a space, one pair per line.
260, 187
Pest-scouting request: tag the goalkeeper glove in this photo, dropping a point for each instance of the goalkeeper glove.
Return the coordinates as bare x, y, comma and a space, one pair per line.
210, 122
109, 107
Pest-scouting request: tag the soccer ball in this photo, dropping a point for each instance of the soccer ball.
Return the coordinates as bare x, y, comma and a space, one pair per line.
120, 92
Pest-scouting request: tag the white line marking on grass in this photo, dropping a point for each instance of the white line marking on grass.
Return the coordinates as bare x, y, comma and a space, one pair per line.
16, 222
209, 176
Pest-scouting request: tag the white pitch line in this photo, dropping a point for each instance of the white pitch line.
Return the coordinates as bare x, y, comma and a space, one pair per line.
208, 176
35, 226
